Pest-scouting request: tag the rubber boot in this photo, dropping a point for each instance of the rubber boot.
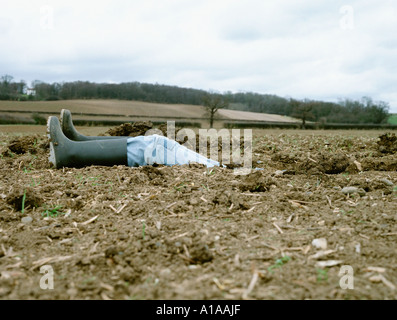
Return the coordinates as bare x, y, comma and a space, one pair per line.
70, 131
67, 153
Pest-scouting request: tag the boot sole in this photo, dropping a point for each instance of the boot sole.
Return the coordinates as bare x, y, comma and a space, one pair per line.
61, 118
52, 157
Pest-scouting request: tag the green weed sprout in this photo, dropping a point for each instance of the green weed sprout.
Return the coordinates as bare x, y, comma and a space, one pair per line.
23, 202
52, 212
322, 275
279, 263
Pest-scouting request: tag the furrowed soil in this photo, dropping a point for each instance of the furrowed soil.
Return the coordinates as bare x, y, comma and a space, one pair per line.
313, 204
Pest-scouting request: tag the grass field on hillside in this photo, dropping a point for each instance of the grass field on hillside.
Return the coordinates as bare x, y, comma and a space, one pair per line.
135, 108
110, 107
392, 119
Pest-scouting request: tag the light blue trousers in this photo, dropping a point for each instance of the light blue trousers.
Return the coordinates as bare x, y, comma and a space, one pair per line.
148, 150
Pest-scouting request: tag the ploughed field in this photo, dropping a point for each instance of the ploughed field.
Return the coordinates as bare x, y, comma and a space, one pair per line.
316, 203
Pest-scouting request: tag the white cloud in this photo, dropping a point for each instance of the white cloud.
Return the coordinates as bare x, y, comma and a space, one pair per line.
285, 47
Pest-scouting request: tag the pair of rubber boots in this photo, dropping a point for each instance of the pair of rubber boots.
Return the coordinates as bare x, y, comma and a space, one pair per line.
69, 148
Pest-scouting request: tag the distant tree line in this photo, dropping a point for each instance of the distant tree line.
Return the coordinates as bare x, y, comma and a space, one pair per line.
344, 111
11, 90
123, 91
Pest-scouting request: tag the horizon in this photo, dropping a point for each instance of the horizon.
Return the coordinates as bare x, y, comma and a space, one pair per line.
336, 101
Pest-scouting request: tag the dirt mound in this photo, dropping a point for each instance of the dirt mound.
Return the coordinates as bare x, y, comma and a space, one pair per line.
257, 182
24, 198
329, 163
387, 143
23, 145
135, 129
284, 157
324, 163
387, 163
27, 152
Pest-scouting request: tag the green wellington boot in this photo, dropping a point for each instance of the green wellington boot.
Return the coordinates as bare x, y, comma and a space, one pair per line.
67, 153
70, 131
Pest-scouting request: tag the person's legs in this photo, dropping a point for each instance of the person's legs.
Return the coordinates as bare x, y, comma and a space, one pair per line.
137, 151
142, 150
67, 153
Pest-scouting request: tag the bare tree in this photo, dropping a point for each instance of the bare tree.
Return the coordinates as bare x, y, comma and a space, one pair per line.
302, 110
212, 103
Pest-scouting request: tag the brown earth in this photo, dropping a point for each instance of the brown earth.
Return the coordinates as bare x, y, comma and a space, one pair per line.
387, 143
131, 129
187, 232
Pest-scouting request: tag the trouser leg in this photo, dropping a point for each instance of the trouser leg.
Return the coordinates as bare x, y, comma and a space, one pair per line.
156, 149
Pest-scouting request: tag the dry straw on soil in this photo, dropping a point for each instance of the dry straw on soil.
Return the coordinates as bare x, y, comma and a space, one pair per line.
319, 202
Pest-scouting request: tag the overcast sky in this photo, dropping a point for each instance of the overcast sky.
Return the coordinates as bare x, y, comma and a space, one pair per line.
312, 49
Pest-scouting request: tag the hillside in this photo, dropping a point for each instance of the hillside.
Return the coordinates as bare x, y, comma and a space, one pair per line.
392, 119
131, 109
254, 116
